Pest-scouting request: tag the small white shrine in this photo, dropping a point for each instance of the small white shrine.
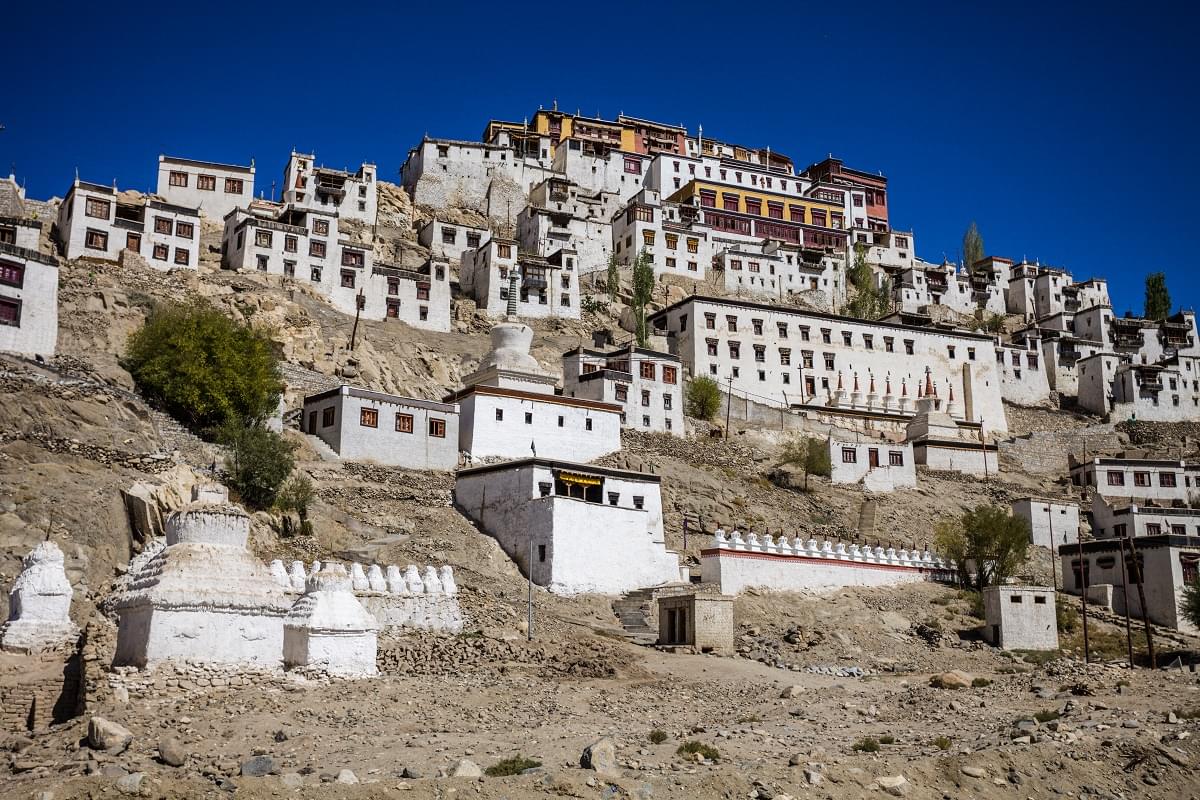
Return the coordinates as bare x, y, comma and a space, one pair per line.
39, 615
328, 628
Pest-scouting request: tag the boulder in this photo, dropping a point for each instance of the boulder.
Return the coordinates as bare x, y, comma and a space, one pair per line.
131, 783
257, 767
171, 752
345, 776
108, 736
600, 755
792, 691
895, 785
466, 768
954, 679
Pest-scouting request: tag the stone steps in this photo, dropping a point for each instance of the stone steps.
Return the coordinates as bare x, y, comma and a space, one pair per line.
323, 450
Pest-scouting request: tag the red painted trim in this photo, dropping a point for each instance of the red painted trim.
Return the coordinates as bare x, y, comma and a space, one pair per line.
722, 553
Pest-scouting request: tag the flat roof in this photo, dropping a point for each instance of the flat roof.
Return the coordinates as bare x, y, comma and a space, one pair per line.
628, 349
27, 255
556, 399
747, 304
382, 397
1139, 543
195, 163
572, 466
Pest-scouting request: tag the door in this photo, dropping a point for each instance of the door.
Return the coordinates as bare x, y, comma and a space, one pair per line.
133, 241
312, 422
873, 457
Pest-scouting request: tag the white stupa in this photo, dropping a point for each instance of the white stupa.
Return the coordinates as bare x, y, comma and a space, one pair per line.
204, 597
508, 365
328, 628
39, 613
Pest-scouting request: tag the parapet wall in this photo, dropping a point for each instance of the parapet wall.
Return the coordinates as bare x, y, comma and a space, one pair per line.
397, 598
737, 563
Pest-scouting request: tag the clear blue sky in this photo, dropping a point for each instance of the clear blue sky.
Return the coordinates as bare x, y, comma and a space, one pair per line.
1069, 137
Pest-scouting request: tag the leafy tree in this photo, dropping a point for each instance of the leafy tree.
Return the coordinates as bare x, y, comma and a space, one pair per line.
1191, 603
702, 398
613, 281
295, 495
258, 463
992, 541
643, 292
972, 247
204, 368
872, 299
809, 454
1158, 299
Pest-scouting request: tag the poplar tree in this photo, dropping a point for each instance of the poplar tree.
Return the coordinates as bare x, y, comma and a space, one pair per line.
613, 281
972, 247
1158, 299
643, 292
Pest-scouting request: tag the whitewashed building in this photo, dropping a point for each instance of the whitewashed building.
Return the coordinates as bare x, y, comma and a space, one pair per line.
1117, 517
776, 269
1168, 564
1021, 617
1136, 475
588, 529
878, 466
215, 189
673, 245
349, 195
1051, 522
449, 240
647, 384
28, 300
306, 245
361, 425
97, 222
546, 286
788, 357
509, 408
1024, 379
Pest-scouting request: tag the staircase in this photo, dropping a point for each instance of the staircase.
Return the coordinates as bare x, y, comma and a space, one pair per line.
323, 450
635, 610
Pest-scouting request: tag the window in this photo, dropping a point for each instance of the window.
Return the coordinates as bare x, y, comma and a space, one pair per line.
693, 245
622, 392
847, 338
1179, 530
735, 264
849, 455
96, 208
437, 428
710, 321
647, 370
162, 225
393, 309
648, 238
316, 249
1014, 598
731, 322
449, 235
613, 498
1141, 479
775, 210
1116, 478
753, 206
729, 201
669, 375
368, 417
889, 344
262, 263
908, 347
757, 325
261, 238
316, 274
785, 356
347, 279
233, 186
289, 244
712, 346
404, 423
10, 312
161, 251
896, 458
760, 353
544, 490
560, 420
1152, 529
504, 251
735, 350
633, 166
829, 361
472, 240
645, 397
179, 178
12, 273
587, 423
207, 183
353, 258
422, 291
321, 227
950, 350
672, 241
667, 401
182, 256
639, 502
528, 418
803, 334
970, 353
868, 341
1166, 479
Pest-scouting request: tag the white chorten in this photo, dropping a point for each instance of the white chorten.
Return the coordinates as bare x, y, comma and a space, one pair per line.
328, 628
205, 597
39, 615
508, 365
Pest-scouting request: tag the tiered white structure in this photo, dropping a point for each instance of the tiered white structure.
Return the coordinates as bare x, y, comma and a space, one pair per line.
395, 597
737, 562
328, 629
204, 597
39, 603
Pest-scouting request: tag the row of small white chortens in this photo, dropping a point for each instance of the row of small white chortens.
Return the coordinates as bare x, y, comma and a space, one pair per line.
889, 401
374, 579
827, 549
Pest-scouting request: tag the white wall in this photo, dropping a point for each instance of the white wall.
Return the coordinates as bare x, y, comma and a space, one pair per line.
1051, 524
886, 477
484, 436
36, 332
215, 203
384, 444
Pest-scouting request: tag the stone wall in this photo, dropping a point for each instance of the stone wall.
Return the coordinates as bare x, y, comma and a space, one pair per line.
1045, 452
39, 691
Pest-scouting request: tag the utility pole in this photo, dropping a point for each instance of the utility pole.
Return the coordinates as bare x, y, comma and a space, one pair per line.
1082, 593
529, 596
1125, 591
1137, 577
359, 302
728, 405
1053, 569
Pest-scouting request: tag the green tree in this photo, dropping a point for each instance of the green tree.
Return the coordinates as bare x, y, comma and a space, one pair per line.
1158, 299
809, 454
613, 280
295, 495
972, 247
702, 398
258, 463
203, 368
872, 298
997, 543
643, 292
950, 543
1191, 603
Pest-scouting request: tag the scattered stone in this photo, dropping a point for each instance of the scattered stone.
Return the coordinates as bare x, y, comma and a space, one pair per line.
257, 767
108, 736
792, 691
796, 760
895, 785
600, 755
171, 752
347, 777
954, 679
131, 783
466, 768
291, 780
974, 772
411, 773
812, 777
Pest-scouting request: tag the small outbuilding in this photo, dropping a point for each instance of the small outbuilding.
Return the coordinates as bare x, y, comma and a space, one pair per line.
1021, 617
702, 621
